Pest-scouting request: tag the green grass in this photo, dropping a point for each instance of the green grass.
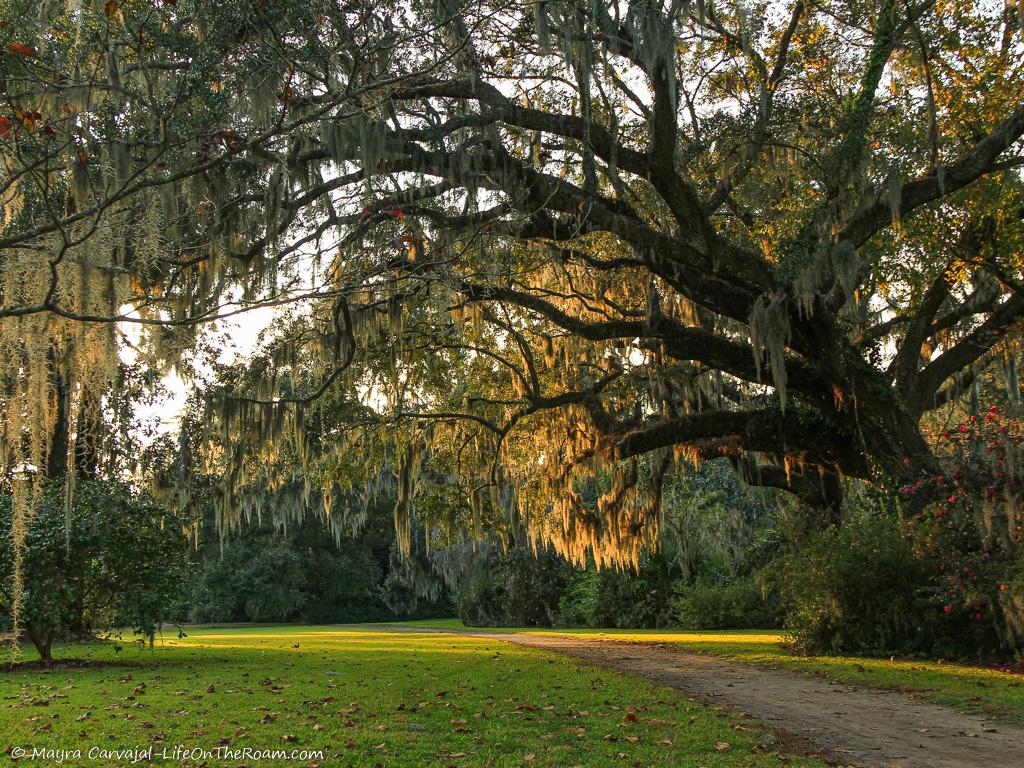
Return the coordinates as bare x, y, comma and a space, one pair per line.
978, 690
367, 698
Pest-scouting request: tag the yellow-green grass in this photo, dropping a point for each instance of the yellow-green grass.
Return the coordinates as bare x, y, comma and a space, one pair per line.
366, 697
978, 690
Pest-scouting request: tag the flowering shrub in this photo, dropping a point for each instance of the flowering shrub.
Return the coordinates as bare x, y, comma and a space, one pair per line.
971, 527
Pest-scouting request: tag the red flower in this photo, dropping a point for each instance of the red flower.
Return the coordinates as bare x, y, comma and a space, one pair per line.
947, 608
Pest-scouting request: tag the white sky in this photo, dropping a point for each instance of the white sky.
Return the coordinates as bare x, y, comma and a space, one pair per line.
238, 338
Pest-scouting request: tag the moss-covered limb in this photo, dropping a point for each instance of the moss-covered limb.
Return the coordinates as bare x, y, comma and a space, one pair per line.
502, 109
815, 486
905, 365
980, 160
853, 130
973, 346
768, 430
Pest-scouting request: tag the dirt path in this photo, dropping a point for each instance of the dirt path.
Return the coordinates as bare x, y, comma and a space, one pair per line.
853, 726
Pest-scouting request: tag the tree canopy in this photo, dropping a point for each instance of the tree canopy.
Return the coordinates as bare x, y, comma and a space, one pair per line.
527, 245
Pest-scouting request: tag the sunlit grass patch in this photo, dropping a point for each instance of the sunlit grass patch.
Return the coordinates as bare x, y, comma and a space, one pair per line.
369, 697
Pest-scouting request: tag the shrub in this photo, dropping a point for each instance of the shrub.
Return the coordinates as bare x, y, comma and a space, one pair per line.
515, 589
858, 588
737, 604
621, 598
972, 529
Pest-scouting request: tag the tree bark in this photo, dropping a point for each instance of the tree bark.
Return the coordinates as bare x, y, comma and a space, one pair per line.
43, 642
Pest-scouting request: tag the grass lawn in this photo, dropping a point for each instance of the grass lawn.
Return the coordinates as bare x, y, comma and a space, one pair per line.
978, 690
366, 698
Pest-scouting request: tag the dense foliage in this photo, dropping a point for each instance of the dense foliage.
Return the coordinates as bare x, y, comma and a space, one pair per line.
273, 573
877, 580
115, 559
702, 576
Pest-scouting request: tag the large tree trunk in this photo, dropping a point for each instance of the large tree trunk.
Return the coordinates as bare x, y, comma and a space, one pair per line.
888, 431
893, 439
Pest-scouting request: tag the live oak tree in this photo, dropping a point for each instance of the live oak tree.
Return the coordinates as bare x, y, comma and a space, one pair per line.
527, 243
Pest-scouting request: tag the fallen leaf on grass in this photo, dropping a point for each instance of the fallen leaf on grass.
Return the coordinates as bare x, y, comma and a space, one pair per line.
656, 721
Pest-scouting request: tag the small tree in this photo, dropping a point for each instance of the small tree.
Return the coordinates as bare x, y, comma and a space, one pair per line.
116, 559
